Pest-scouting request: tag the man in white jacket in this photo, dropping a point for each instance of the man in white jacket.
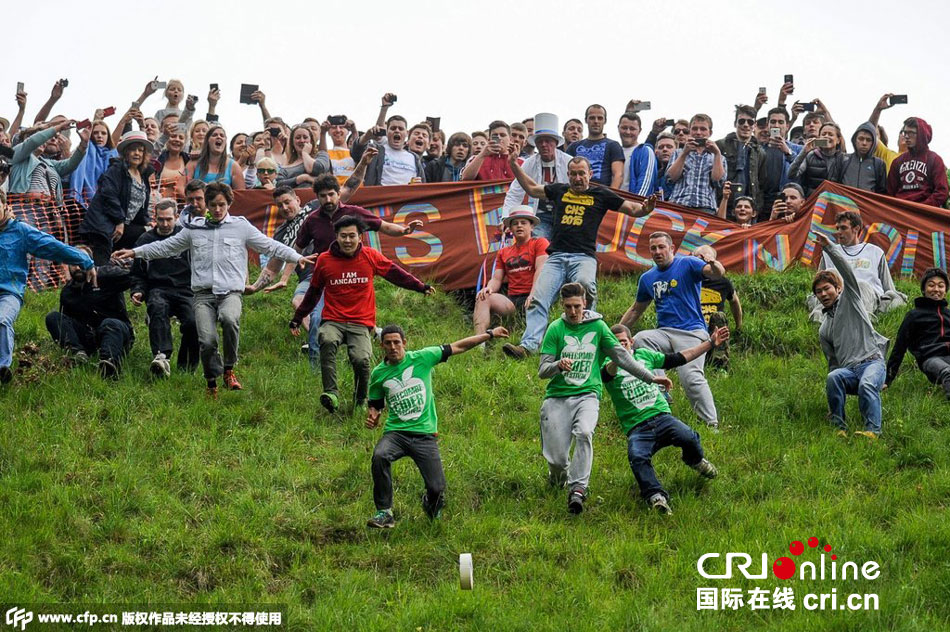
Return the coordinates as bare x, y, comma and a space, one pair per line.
547, 166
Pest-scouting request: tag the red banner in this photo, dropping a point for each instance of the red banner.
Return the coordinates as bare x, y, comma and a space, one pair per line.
462, 230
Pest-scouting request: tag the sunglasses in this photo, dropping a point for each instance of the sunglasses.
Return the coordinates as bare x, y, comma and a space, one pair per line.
745, 121
680, 131
266, 171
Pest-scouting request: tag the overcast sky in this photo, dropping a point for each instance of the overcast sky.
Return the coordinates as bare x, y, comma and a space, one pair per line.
472, 62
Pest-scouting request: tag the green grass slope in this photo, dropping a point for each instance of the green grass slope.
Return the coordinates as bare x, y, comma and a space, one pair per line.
147, 492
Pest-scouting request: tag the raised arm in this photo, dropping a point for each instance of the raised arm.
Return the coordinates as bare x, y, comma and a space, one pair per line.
724, 203
55, 95
355, 181
531, 187
463, 345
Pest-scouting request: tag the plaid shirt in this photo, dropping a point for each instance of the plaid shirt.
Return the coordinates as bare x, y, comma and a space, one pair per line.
695, 186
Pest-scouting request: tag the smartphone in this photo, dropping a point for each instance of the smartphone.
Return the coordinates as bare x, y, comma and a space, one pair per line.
247, 89
371, 144
761, 90
193, 98
394, 98
19, 86
337, 119
181, 128
670, 122
214, 86
495, 138
699, 141
642, 106
273, 131
775, 132
781, 197
822, 142
64, 83
83, 124
160, 85
894, 100
789, 79
433, 122
736, 188
808, 107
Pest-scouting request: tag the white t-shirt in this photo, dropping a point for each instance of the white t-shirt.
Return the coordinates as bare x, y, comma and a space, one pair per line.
399, 166
866, 260
627, 152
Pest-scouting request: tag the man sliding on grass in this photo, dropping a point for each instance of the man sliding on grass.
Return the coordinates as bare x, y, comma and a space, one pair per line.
403, 383
572, 353
646, 418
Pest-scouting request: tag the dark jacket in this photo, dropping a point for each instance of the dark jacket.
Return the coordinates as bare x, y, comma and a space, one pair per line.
812, 168
925, 332
755, 167
441, 170
919, 176
866, 172
173, 273
91, 305
374, 172
108, 208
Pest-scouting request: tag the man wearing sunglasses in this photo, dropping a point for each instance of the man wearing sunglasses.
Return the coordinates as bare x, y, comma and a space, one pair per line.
743, 158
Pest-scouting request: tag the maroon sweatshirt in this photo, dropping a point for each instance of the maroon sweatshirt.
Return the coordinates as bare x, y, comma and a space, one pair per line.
919, 175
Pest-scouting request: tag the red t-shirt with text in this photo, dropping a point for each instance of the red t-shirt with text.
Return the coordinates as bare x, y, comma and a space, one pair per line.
347, 282
518, 264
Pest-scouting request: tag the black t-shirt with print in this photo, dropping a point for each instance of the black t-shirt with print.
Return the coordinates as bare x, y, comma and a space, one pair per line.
714, 294
577, 217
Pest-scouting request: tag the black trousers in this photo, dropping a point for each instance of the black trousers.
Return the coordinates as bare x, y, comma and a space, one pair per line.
112, 338
162, 304
423, 449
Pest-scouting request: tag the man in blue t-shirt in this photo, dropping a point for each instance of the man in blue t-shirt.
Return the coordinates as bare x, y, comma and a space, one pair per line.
675, 285
605, 156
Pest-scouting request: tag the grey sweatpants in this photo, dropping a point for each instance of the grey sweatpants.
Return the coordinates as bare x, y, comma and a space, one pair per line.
211, 309
567, 419
669, 340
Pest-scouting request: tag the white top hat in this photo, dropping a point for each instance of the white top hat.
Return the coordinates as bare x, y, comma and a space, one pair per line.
545, 124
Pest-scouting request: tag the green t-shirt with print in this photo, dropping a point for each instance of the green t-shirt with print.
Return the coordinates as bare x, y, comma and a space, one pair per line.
587, 345
407, 389
634, 400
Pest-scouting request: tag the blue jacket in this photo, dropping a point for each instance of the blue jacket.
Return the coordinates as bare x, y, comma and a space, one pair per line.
17, 240
643, 171
24, 163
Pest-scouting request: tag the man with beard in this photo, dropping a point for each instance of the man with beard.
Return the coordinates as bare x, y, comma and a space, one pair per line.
316, 234
165, 287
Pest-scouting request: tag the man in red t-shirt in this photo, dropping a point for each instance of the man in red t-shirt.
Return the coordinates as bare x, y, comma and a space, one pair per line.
492, 162
343, 275
519, 264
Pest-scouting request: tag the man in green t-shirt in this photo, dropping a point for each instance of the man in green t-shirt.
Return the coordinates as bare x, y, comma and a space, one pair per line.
403, 383
646, 418
573, 350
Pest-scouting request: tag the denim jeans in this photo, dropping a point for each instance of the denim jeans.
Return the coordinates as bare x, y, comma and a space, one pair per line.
649, 437
9, 310
864, 380
560, 268
313, 334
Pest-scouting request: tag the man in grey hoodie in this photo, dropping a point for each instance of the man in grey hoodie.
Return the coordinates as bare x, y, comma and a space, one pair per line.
854, 350
862, 169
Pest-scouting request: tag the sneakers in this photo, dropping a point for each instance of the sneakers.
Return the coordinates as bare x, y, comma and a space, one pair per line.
515, 351
575, 500
305, 348
433, 511
705, 468
866, 433
659, 502
329, 401
5, 375
382, 520
231, 382
108, 370
160, 366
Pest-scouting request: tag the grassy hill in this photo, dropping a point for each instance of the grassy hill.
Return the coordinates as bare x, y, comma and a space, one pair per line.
143, 492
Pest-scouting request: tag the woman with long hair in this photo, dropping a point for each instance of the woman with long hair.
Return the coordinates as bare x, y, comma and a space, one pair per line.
821, 159
213, 163
171, 167
302, 160
101, 150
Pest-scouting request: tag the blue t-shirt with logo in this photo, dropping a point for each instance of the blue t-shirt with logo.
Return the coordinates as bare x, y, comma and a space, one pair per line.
676, 291
601, 154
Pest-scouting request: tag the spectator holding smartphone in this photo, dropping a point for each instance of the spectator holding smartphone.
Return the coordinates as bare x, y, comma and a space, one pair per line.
394, 163
789, 203
821, 159
697, 169
492, 162
918, 175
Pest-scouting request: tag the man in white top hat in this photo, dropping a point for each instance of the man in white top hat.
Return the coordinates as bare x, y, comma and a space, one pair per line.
517, 265
547, 166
